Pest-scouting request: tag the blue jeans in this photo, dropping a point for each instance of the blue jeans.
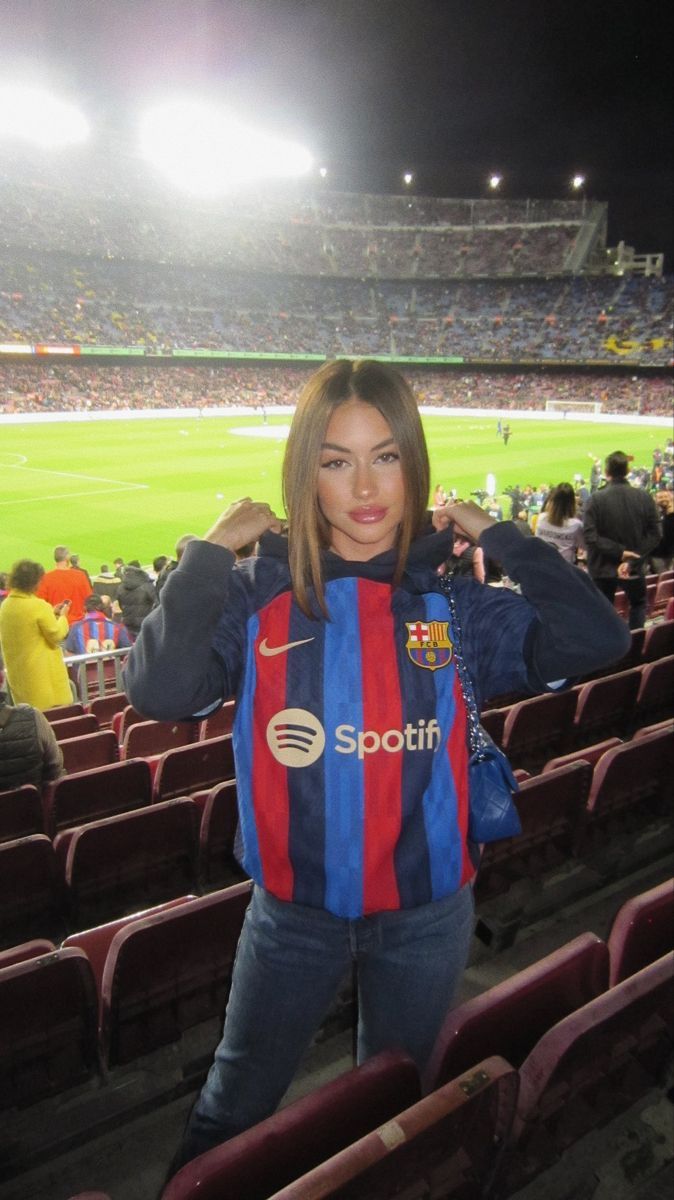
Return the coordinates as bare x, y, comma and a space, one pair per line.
289, 964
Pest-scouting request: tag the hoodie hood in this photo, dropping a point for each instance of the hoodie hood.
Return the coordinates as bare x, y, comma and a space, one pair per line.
426, 552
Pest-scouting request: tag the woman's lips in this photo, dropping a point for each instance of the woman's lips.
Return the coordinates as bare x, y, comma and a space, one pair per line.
368, 516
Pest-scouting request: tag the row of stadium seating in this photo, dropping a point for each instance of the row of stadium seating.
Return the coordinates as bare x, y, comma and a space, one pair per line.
82, 301
35, 386
584, 1033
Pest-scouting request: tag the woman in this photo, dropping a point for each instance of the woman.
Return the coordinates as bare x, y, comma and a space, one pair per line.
31, 631
350, 729
558, 524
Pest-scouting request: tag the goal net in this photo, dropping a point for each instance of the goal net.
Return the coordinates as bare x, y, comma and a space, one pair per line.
573, 406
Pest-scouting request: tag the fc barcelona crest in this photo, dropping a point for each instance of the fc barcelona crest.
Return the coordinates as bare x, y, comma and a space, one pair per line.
428, 643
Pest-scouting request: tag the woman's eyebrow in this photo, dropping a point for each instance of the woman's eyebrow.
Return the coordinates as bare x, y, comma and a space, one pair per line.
345, 449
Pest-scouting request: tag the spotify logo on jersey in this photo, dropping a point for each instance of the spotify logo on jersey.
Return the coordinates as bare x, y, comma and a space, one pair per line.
295, 737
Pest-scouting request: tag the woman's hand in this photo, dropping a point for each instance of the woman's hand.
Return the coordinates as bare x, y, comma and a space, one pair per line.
466, 517
243, 522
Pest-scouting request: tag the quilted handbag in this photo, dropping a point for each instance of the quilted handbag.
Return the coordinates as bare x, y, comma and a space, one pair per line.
491, 783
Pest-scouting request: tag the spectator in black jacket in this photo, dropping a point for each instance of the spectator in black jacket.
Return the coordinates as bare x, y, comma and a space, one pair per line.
136, 596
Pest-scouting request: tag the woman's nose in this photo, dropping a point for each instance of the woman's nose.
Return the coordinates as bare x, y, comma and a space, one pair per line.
364, 482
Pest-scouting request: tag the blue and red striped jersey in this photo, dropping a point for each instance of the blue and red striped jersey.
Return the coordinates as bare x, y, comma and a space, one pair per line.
350, 743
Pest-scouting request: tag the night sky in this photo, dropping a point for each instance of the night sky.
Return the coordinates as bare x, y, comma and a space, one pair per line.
451, 89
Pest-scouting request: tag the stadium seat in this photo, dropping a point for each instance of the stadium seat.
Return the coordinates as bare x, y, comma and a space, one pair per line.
105, 707
194, 768
669, 611
651, 589
621, 604
664, 591
219, 821
96, 941
221, 722
63, 711
509, 1018
447, 1145
48, 1036
492, 720
299, 1137
592, 1066
168, 972
36, 948
631, 778
642, 931
551, 808
655, 699
32, 895
101, 792
539, 728
20, 813
658, 642
89, 751
122, 863
123, 718
588, 754
145, 739
605, 707
73, 727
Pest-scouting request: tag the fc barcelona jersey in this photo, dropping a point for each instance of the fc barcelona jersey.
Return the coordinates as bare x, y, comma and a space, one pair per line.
351, 754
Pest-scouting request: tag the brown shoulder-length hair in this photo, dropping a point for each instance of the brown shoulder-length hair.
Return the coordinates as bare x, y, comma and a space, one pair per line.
561, 504
384, 388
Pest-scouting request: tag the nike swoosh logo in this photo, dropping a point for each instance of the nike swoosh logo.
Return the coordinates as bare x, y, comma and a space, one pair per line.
270, 651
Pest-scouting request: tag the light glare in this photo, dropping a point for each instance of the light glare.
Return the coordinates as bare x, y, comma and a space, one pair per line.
495, 181
34, 115
578, 182
204, 150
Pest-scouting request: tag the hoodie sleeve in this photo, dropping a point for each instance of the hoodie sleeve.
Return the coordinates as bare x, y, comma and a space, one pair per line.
174, 671
560, 627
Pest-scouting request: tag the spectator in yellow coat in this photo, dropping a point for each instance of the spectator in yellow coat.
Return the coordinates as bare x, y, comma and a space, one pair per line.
31, 631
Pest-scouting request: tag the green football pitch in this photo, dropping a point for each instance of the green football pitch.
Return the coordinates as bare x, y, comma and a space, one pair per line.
131, 488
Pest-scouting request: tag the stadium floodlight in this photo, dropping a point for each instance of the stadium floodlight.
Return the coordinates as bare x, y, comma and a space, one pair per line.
205, 150
408, 178
322, 171
495, 181
578, 182
32, 114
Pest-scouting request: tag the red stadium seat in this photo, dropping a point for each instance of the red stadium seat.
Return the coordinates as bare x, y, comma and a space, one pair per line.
194, 768
221, 722
605, 707
96, 942
220, 817
551, 808
447, 1145
538, 729
63, 711
168, 972
664, 591
302, 1135
592, 1066
48, 1036
32, 895
105, 707
130, 861
510, 1017
658, 642
642, 931
145, 739
588, 754
73, 727
90, 750
20, 813
33, 949
631, 778
655, 699
101, 792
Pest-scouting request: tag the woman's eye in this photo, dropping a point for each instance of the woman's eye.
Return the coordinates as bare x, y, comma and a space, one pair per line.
333, 463
389, 456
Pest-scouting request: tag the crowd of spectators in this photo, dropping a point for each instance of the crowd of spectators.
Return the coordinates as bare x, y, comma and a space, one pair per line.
44, 386
64, 299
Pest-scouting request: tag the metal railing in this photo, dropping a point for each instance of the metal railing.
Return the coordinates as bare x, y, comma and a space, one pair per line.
83, 675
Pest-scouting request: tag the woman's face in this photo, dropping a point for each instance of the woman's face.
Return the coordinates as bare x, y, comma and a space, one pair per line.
360, 482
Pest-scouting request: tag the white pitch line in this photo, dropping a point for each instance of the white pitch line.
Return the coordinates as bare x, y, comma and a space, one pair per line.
129, 487
73, 475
